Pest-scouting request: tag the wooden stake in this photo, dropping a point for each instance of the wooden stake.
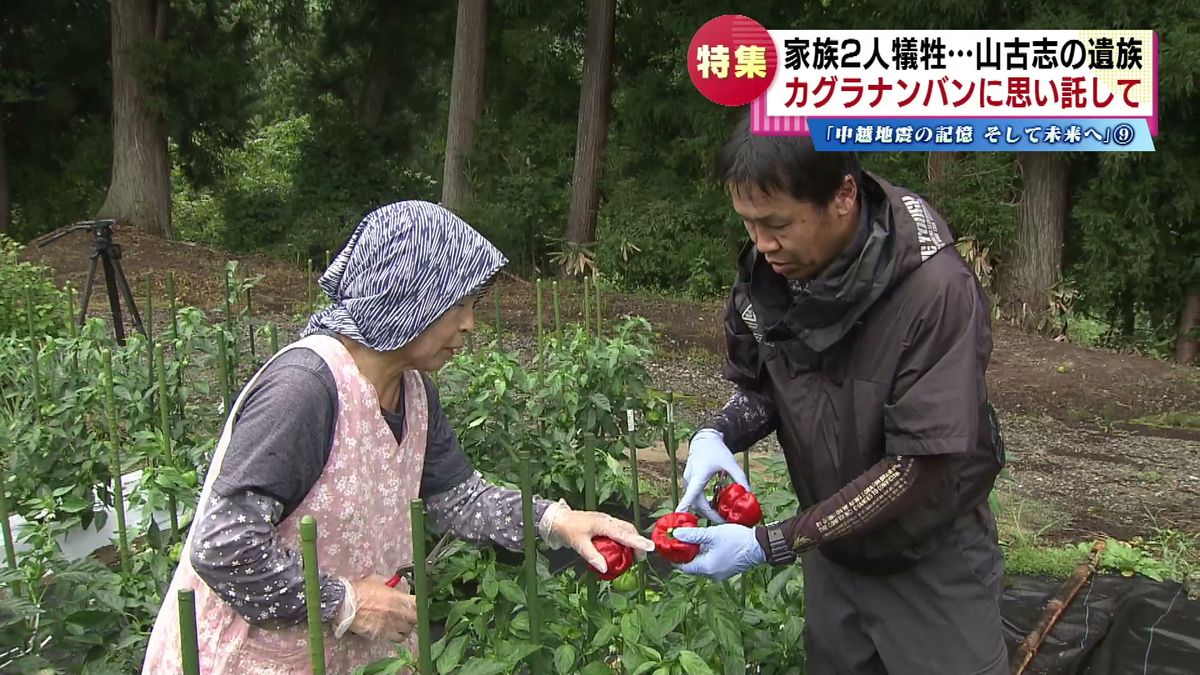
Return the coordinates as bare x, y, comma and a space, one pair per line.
1055, 607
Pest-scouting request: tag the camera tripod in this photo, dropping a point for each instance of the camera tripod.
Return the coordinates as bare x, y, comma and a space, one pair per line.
109, 255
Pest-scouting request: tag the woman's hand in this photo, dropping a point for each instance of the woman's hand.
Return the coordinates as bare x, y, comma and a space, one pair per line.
383, 611
576, 529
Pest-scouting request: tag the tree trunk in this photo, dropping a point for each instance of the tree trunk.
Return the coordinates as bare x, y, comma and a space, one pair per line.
377, 79
594, 101
1186, 345
466, 100
139, 192
1034, 264
940, 167
5, 195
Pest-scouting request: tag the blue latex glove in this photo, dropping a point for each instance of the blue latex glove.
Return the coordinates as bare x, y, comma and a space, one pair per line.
707, 456
725, 550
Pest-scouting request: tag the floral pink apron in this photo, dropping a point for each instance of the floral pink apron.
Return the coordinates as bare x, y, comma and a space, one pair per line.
361, 504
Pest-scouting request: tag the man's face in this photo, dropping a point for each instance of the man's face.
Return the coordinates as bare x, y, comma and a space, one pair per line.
799, 239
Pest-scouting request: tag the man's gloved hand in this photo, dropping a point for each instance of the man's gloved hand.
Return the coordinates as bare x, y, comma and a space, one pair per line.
725, 550
707, 457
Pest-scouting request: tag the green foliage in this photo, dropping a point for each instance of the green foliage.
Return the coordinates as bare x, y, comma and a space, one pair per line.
296, 189
27, 281
681, 246
570, 401
275, 148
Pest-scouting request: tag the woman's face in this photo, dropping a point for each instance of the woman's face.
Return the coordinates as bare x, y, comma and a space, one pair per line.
437, 344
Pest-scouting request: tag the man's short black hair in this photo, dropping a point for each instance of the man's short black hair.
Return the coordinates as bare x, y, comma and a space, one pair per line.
788, 163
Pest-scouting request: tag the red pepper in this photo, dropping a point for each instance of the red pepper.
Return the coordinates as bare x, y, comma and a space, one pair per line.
737, 505
668, 546
618, 557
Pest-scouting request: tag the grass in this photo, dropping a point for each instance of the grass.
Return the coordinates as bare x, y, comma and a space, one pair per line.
1176, 419
1024, 524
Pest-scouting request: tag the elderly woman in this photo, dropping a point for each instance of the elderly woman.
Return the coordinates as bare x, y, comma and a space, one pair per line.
345, 426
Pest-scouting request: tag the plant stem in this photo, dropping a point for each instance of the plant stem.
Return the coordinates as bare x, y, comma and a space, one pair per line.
312, 593
421, 584
164, 415
110, 407
189, 646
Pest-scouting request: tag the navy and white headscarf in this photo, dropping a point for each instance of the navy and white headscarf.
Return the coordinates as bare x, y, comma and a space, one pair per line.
404, 266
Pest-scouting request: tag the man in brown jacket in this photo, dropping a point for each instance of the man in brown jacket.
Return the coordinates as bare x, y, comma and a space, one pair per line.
856, 333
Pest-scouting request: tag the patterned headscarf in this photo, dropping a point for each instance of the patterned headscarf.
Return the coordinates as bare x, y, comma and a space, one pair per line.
404, 266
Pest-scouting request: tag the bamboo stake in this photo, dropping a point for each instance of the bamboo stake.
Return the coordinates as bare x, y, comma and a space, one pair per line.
10, 555
174, 305
223, 368
188, 644
587, 311
250, 322
72, 327
175, 331
531, 579
150, 340
633, 466
496, 300
599, 311
672, 447
164, 415
230, 328
312, 593
540, 328
308, 285
110, 407
273, 336
589, 502
557, 315
1055, 607
35, 346
631, 443
421, 582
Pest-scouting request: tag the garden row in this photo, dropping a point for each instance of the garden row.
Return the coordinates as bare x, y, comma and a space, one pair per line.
93, 432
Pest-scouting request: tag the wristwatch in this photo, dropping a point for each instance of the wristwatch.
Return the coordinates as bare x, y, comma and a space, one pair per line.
778, 552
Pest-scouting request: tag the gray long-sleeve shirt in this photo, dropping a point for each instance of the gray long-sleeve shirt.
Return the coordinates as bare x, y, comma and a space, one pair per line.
282, 438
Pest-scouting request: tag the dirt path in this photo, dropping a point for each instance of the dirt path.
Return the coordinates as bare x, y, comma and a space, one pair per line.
1069, 412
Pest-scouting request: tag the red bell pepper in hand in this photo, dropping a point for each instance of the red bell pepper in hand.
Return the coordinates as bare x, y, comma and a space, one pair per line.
618, 557
738, 505
668, 546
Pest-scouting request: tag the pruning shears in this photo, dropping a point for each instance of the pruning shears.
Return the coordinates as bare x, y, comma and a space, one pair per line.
440, 550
